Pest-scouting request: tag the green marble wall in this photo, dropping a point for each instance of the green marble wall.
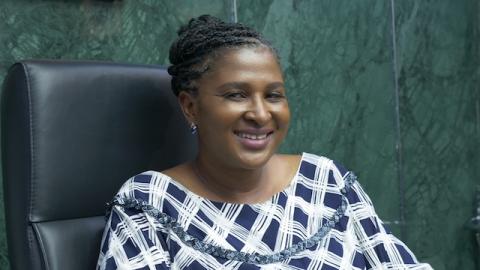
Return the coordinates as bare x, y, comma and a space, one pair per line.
344, 71
439, 74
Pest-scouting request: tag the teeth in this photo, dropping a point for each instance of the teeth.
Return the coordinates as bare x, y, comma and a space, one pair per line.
252, 136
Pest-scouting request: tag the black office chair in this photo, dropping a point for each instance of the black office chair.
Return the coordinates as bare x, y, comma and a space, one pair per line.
72, 133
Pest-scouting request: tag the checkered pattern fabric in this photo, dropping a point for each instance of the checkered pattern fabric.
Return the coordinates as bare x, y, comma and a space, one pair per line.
359, 240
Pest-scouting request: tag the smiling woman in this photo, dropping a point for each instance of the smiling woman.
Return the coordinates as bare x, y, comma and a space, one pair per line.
242, 116
239, 204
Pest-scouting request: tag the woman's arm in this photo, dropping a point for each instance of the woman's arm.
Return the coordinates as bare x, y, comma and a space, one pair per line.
381, 249
131, 241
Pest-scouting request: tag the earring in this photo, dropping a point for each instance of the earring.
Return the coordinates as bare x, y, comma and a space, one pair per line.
193, 128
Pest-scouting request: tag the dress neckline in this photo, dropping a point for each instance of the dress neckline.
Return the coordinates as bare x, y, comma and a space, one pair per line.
292, 183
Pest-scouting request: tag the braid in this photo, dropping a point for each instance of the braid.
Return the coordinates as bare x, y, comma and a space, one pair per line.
199, 41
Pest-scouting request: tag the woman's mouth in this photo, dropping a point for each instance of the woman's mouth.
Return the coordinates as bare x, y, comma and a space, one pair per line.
254, 140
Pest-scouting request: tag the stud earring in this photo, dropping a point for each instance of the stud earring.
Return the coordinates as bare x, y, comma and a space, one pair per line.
193, 128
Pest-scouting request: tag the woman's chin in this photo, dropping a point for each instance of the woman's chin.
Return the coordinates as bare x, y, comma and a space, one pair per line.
255, 159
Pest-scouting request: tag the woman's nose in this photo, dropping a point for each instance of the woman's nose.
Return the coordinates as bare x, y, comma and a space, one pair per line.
259, 112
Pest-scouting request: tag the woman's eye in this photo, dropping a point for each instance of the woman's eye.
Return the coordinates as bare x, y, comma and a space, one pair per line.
235, 96
275, 96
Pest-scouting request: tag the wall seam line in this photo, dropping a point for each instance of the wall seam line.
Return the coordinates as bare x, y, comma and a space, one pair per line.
398, 137
233, 11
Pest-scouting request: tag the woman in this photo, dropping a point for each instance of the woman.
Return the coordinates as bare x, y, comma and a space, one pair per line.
239, 205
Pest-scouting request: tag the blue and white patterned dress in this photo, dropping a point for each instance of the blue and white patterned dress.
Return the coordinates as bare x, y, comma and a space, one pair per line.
156, 223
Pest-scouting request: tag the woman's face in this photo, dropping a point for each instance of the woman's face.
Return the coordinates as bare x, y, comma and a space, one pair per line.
241, 109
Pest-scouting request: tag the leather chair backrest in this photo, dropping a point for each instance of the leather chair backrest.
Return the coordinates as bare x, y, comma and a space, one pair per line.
72, 133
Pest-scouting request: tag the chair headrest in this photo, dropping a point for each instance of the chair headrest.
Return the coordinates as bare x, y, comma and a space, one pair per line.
74, 131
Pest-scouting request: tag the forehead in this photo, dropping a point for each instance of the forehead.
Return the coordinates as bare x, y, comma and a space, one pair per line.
244, 63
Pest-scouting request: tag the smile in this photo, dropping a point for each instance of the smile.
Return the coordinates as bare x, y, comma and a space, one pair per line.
254, 140
252, 136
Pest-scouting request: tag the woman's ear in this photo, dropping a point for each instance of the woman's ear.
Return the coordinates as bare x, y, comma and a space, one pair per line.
188, 103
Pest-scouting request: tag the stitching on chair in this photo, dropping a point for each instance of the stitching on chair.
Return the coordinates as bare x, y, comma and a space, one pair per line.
32, 142
32, 153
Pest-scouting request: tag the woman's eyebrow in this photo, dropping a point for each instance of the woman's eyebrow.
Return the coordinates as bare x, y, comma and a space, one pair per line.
235, 85
275, 85
245, 85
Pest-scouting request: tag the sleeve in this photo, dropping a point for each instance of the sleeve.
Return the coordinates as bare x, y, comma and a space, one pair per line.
131, 241
381, 249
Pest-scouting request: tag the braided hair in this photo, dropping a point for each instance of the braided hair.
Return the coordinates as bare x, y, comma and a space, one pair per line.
199, 42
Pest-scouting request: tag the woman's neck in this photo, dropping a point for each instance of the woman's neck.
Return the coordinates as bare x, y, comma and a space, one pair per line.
235, 185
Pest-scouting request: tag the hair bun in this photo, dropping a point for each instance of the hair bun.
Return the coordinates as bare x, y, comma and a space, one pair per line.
199, 21
195, 43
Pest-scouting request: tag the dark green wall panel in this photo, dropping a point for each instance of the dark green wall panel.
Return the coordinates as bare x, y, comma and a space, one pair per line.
343, 71
137, 31
438, 62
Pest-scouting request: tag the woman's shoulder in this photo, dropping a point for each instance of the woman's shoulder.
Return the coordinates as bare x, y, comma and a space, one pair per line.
315, 166
141, 186
155, 186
